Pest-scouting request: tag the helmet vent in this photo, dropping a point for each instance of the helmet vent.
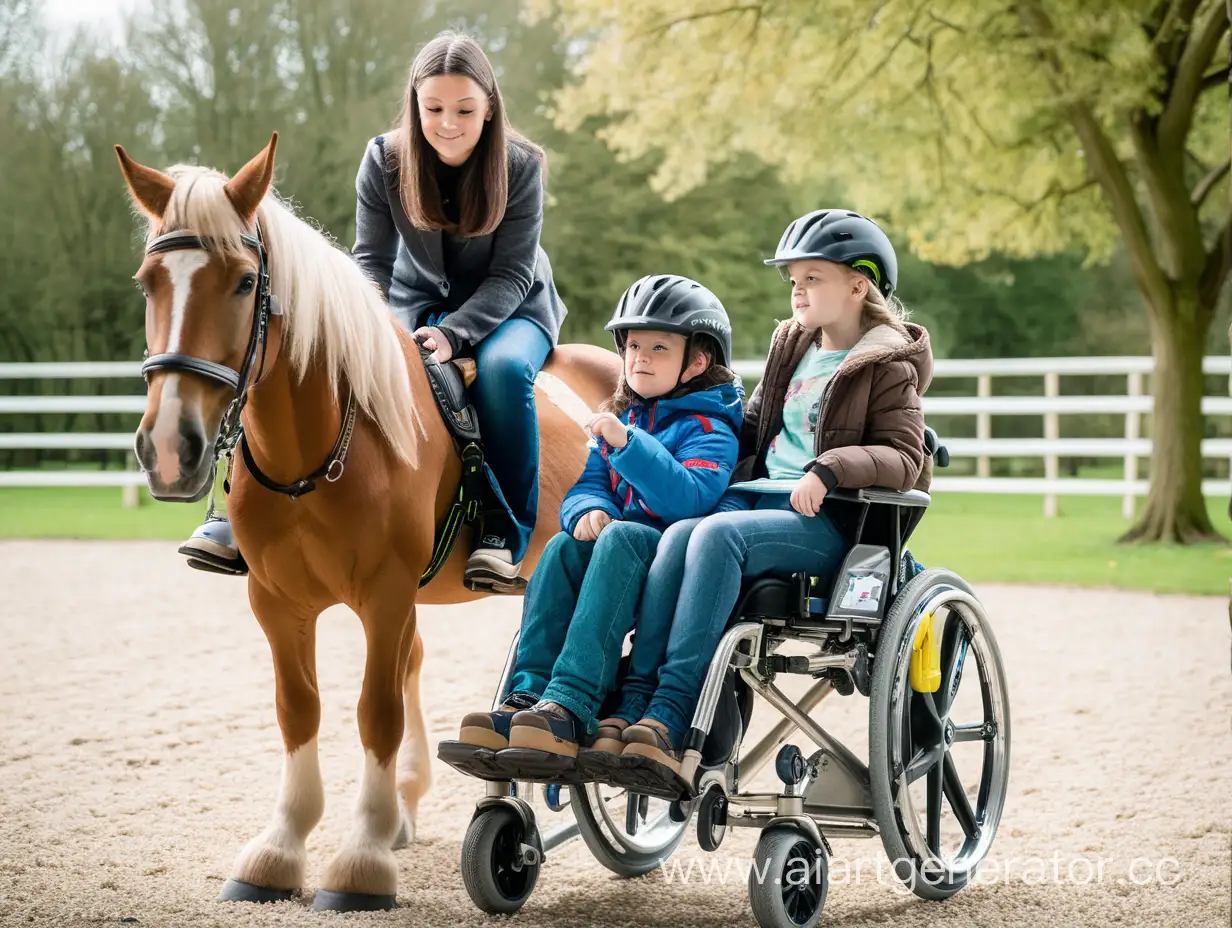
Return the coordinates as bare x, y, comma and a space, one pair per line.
843, 236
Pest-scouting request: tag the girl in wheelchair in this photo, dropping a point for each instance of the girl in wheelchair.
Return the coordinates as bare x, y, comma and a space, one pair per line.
838, 406
664, 449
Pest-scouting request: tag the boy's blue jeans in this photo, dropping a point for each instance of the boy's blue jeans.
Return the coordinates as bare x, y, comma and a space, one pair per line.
580, 603
705, 560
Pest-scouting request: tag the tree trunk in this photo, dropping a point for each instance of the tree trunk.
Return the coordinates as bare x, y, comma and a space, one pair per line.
1175, 508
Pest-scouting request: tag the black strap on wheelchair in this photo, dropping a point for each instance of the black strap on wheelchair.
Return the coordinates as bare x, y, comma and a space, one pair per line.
449, 391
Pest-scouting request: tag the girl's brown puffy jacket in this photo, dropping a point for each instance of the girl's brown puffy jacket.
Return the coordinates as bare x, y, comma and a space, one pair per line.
870, 429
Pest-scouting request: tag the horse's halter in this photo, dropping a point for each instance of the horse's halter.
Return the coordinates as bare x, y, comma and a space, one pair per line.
266, 305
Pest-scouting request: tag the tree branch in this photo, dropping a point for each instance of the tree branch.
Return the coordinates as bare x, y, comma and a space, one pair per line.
1106, 168
1195, 59
1169, 36
1214, 79
706, 14
1207, 184
1218, 265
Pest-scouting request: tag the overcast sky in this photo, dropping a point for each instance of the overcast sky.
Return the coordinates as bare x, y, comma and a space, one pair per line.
103, 15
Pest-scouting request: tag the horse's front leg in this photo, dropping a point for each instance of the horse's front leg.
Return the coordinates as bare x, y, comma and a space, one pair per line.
363, 875
414, 761
271, 866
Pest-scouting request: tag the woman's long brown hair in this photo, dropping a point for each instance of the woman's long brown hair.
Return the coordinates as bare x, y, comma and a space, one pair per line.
483, 187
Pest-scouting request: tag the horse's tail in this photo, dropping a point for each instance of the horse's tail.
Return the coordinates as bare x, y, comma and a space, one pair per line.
591, 372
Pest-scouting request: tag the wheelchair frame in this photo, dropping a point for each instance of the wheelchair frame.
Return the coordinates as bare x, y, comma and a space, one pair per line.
832, 793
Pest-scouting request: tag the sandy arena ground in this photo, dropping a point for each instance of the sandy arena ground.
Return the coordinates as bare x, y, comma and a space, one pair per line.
139, 751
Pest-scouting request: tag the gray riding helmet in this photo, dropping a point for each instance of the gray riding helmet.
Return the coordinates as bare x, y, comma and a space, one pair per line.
670, 303
843, 237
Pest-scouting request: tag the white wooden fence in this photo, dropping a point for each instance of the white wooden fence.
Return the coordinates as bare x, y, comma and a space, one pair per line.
1051, 404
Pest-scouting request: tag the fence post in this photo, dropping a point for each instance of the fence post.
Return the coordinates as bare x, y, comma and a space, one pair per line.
1133, 422
983, 426
1052, 431
129, 496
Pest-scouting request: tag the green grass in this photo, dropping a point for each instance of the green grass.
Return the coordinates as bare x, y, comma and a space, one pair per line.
91, 512
982, 537
1006, 538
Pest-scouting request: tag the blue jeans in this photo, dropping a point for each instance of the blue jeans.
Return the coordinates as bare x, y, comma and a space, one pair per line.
710, 556
580, 603
506, 363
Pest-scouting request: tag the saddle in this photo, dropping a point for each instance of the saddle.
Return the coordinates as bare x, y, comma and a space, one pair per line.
449, 382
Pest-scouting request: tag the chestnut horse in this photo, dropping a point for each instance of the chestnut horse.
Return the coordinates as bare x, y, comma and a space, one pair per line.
300, 357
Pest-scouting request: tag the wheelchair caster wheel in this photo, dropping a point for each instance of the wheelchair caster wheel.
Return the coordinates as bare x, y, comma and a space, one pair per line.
500, 861
712, 819
789, 765
551, 797
789, 880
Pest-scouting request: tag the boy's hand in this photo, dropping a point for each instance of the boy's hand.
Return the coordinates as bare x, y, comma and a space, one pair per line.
609, 428
590, 525
807, 496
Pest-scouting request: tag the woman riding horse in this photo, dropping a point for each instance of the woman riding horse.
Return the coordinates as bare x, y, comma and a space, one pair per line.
449, 209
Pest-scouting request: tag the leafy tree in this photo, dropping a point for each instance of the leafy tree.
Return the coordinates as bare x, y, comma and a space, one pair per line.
1023, 126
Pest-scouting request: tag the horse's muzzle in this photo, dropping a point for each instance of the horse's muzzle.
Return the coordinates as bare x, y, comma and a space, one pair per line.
178, 466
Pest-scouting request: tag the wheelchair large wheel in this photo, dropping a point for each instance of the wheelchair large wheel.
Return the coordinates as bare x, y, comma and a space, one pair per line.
630, 834
938, 761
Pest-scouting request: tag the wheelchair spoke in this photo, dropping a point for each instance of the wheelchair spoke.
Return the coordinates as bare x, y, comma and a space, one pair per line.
957, 797
934, 809
924, 761
954, 642
925, 719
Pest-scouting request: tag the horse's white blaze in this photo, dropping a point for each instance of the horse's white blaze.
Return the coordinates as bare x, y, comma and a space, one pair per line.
166, 431
181, 266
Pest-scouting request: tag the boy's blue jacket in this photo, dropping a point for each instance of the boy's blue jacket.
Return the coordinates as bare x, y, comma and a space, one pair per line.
675, 465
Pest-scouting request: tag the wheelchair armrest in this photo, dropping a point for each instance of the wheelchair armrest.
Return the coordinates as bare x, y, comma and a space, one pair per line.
916, 499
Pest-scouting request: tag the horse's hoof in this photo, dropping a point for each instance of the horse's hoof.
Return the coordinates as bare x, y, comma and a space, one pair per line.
239, 891
329, 901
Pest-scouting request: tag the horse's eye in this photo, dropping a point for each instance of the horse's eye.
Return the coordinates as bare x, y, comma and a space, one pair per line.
247, 283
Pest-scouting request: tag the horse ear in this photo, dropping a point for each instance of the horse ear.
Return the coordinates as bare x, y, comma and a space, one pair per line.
151, 189
247, 189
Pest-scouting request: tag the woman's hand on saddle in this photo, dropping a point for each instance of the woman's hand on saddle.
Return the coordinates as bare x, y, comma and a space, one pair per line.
609, 428
591, 524
435, 341
807, 496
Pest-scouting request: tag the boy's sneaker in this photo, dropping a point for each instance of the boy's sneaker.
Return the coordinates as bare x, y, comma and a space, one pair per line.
548, 727
598, 759
648, 739
608, 737
491, 729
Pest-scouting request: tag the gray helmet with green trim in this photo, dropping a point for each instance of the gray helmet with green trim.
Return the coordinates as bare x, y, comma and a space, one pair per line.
843, 237
670, 303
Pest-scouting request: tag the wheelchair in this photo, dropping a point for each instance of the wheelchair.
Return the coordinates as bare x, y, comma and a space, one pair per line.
881, 626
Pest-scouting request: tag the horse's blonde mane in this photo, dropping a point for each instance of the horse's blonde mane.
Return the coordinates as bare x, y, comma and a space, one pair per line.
332, 312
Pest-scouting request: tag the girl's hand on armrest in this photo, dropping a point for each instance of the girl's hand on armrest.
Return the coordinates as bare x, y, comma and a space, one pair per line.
807, 496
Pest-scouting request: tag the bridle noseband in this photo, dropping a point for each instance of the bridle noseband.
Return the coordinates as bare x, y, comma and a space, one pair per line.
240, 382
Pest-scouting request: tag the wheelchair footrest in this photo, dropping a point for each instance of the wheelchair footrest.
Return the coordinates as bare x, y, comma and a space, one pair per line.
647, 778
508, 763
